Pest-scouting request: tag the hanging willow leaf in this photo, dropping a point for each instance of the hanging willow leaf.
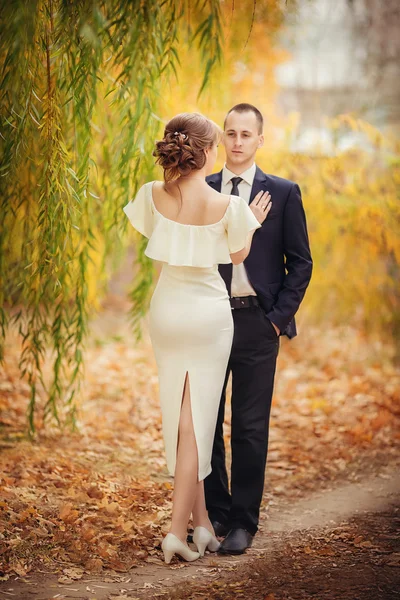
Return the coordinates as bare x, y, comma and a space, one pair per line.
79, 94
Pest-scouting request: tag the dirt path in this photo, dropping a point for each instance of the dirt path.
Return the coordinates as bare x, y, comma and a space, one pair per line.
342, 542
81, 513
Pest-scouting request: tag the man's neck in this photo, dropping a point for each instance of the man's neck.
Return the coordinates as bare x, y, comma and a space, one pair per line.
239, 169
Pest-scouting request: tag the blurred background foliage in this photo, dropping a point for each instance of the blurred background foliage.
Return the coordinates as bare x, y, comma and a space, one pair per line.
85, 90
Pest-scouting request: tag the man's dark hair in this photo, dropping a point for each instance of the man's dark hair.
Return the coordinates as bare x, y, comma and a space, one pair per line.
244, 107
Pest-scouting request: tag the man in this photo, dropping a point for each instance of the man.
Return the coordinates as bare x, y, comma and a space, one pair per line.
266, 292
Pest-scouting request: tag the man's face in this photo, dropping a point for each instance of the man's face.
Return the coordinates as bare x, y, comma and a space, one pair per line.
242, 138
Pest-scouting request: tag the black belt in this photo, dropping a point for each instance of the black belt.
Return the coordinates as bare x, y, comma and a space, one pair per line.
244, 302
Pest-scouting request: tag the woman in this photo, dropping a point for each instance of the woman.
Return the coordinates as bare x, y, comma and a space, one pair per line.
191, 229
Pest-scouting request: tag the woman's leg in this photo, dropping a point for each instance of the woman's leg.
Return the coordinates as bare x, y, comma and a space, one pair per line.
186, 469
200, 514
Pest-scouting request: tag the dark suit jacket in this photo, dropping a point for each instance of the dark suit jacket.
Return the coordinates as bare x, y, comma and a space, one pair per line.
279, 264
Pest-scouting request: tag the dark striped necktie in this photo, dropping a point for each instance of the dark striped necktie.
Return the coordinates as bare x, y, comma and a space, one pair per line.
235, 186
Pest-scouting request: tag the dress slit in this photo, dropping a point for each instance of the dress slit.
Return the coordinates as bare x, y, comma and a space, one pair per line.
186, 382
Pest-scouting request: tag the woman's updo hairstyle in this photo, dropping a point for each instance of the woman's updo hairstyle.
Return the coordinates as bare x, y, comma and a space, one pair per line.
181, 151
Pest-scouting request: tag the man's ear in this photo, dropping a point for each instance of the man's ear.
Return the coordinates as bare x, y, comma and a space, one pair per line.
261, 142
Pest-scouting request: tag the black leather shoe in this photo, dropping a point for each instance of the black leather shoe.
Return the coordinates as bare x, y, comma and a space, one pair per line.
220, 529
189, 537
236, 542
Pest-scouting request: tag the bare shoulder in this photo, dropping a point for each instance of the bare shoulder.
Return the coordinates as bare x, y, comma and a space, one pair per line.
222, 199
158, 186
164, 196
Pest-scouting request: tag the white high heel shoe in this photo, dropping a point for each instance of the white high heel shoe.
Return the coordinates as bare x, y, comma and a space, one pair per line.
205, 539
172, 545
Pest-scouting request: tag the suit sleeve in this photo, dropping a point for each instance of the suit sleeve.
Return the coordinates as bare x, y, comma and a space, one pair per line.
298, 259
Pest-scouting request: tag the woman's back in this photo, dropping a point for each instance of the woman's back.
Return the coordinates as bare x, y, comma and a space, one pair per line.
190, 203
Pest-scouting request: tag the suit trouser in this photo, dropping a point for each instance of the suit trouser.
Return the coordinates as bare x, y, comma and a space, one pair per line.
252, 363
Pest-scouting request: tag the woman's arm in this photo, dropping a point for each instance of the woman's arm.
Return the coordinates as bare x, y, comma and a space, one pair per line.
239, 257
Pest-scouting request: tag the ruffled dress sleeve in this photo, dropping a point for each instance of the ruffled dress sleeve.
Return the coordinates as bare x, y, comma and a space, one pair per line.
139, 211
240, 222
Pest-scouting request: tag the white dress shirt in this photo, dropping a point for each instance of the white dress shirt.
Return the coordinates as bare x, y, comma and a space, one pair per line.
241, 285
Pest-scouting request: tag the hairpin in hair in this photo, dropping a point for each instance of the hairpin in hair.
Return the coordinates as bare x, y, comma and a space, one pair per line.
181, 133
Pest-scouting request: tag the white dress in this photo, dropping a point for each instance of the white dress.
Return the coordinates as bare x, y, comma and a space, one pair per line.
191, 325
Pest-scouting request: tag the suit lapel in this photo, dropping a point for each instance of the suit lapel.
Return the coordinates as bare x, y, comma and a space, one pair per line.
259, 183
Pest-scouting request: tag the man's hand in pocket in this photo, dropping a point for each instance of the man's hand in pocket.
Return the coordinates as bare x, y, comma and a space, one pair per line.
278, 332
